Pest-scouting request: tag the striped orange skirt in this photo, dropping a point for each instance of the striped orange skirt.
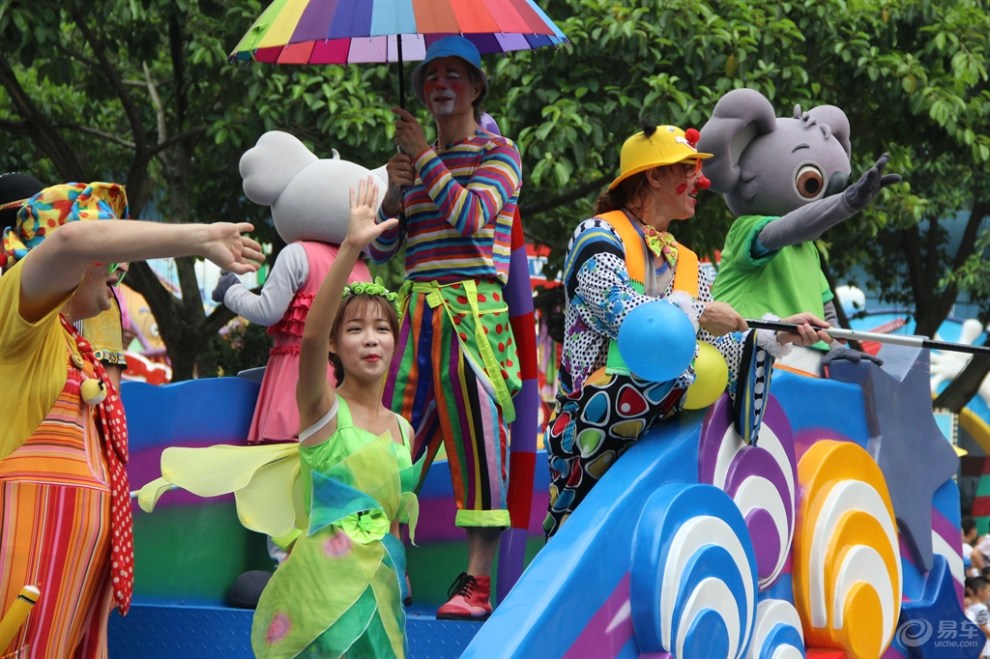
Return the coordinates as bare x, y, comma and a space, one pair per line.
55, 533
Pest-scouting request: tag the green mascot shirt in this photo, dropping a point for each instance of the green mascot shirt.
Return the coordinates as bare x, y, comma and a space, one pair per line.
783, 282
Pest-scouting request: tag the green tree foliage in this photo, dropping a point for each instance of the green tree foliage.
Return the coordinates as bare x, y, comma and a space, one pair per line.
911, 75
142, 92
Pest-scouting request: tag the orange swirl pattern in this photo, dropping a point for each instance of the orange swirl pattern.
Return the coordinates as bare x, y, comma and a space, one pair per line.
847, 569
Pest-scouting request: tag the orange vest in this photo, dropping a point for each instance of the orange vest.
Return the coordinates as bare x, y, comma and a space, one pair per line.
635, 250
634, 247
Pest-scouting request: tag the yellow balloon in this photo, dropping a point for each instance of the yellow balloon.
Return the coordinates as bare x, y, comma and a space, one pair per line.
712, 376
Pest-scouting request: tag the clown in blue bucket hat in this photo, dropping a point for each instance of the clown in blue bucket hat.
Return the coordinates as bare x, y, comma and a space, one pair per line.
453, 46
456, 194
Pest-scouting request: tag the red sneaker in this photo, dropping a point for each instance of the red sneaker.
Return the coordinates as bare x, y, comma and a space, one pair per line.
469, 599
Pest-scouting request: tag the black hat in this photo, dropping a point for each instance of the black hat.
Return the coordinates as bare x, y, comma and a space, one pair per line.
15, 187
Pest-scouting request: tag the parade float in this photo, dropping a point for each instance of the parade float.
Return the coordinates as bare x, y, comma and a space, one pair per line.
835, 534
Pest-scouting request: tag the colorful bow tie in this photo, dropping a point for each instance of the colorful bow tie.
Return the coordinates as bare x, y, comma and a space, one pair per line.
661, 243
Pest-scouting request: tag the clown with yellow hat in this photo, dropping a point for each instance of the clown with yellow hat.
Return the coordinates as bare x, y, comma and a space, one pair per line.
622, 269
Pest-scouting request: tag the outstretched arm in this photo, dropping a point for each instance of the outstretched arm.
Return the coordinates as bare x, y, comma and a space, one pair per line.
810, 221
266, 308
55, 267
313, 396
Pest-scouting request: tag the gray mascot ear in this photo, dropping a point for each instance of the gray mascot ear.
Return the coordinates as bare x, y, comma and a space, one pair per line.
738, 118
829, 118
271, 164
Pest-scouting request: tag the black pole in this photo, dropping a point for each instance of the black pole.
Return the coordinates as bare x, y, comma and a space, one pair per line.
402, 73
895, 339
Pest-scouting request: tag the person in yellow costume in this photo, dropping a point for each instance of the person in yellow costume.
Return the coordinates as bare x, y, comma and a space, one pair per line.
345, 486
66, 522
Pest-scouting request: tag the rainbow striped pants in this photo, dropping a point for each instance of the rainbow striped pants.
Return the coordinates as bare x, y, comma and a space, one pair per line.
453, 376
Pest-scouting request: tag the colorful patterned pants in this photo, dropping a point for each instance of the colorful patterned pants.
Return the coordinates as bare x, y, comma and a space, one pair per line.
592, 427
453, 376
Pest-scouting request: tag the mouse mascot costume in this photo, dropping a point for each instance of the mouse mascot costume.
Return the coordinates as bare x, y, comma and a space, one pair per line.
786, 181
310, 206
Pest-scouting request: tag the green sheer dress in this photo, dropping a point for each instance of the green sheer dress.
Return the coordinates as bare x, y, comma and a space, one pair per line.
340, 590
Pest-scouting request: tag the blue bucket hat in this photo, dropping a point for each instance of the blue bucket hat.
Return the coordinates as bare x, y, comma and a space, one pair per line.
453, 46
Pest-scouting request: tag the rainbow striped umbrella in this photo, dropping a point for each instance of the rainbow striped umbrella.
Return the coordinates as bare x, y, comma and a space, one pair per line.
383, 31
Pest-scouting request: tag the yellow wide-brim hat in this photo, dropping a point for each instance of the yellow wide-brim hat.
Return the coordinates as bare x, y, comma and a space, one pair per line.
668, 145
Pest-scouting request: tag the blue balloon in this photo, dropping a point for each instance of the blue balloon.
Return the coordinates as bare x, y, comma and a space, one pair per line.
657, 341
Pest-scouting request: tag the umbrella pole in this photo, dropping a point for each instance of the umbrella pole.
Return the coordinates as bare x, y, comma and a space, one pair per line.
402, 73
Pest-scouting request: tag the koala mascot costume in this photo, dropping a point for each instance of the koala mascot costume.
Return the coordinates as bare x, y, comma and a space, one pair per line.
310, 206
785, 181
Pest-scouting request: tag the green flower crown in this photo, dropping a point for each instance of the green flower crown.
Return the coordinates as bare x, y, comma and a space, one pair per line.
371, 288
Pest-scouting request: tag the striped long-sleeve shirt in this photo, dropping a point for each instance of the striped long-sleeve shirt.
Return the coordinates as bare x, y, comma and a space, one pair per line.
456, 221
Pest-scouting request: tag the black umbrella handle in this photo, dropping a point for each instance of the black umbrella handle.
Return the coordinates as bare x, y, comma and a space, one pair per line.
402, 73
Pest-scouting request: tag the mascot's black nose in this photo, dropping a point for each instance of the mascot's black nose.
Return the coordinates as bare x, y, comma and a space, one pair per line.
836, 184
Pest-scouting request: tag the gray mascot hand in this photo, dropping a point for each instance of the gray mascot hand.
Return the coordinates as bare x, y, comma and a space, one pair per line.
860, 193
849, 355
227, 280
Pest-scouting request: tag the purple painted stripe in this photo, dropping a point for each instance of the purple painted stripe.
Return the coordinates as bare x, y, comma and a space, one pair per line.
352, 19
511, 555
945, 528
805, 438
538, 508
713, 434
314, 24
757, 462
597, 640
950, 533
145, 466
905, 551
519, 298
436, 521
893, 653
527, 407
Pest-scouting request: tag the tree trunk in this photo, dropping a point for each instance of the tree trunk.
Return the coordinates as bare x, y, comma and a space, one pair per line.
41, 130
961, 390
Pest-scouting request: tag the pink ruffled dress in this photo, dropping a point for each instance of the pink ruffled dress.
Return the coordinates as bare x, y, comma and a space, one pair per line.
276, 418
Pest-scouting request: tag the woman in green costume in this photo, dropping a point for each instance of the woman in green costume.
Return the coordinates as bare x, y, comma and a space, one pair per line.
339, 590
336, 498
